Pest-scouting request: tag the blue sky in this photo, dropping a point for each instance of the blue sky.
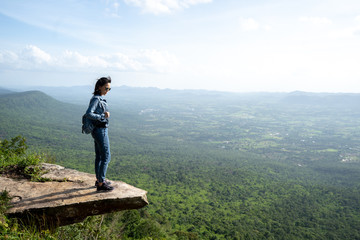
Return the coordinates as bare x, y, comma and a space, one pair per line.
227, 45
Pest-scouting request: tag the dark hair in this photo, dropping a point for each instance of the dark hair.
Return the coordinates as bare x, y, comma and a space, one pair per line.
101, 82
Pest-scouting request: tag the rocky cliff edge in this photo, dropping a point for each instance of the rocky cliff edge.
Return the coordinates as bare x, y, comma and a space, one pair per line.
68, 197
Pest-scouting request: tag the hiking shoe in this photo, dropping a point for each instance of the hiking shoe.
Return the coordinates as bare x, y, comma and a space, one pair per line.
104, 187
106, 182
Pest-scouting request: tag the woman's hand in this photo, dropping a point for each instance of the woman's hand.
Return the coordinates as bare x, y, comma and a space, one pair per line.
107, 114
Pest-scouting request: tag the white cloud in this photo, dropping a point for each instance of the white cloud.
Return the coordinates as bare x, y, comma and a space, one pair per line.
267, 28
352, 29
75, 60
32, 57
112, 9
249, 24
34, 54
164, 6
8, 57
116, 6
158, 61
318, 21
123, 62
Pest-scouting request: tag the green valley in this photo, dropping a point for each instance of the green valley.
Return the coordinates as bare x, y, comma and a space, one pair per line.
216, 165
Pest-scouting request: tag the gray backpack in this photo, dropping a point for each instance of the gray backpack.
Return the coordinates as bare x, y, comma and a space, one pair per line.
88, 124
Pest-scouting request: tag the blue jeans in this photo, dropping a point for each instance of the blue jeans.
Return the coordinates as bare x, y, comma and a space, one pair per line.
102, 151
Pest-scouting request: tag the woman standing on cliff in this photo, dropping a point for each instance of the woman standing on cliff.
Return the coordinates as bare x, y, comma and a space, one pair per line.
98, 111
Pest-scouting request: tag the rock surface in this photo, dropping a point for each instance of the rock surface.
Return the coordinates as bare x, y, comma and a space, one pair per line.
68, 198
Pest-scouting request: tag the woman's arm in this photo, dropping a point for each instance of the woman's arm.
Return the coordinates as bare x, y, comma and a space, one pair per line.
90, 113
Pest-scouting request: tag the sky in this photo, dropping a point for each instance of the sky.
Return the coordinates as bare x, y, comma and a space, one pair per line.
222, 45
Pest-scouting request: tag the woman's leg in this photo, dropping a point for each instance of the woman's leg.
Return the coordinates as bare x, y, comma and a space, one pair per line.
103, 145
97, 160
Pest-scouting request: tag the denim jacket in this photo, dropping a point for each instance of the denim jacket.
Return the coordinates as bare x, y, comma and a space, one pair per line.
97, 108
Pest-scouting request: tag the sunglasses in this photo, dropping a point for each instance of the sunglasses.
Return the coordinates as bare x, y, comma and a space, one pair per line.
107, 89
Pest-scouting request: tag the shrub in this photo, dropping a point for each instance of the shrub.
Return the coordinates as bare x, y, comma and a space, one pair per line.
15, 161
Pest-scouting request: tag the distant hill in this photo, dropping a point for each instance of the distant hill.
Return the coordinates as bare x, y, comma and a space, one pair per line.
75, 94
36, 103
34, 114
351, 100
5, 91
30, 100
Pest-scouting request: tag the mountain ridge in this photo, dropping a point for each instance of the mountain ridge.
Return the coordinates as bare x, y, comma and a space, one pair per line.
323, 99
80, 95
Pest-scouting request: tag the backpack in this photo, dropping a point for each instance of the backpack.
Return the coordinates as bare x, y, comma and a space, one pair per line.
87, 125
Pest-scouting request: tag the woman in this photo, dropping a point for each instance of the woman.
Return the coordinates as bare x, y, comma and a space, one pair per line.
99, 113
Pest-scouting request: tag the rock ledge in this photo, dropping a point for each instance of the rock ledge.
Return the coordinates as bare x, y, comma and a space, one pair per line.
69, 198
